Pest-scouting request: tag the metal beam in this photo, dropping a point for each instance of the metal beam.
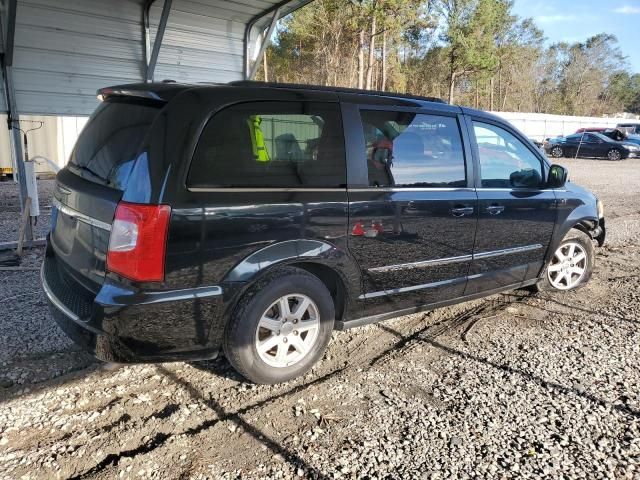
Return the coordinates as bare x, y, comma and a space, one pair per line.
12, 115
10, 34
265, 42
152, 60
13, 122
285, 7
146, 40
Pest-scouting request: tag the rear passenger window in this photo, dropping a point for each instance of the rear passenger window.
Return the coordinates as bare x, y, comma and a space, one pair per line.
413, 150
505, 161
271, 144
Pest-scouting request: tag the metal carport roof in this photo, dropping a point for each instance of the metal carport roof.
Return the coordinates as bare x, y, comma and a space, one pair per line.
64, 50
55, 54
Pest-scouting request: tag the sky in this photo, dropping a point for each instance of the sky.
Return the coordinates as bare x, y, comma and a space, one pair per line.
577, 20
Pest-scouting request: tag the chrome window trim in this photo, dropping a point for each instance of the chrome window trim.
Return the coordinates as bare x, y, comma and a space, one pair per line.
411, 189
264, 189
515, 189
53, 299
81, 216
313, 189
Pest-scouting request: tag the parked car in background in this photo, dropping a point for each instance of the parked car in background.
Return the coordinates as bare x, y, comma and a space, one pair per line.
538, 144
615, 134
591, 145
620, 136
633, 139
255, 219
591, 129
630, 127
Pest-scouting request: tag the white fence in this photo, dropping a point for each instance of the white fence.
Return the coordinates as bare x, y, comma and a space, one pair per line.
58, 135
539, 126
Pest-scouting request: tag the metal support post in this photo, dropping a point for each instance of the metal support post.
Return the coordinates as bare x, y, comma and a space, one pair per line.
12, 113
151, 56
263, 45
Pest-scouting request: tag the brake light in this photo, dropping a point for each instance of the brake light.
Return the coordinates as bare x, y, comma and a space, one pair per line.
138, 241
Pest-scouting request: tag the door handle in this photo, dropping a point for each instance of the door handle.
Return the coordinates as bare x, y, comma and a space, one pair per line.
495, 209
461, 211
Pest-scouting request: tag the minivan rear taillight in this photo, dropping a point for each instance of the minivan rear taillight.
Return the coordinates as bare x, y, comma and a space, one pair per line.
138, 240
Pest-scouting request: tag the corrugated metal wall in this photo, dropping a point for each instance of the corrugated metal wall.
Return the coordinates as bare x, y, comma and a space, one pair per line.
203, 42
66, 50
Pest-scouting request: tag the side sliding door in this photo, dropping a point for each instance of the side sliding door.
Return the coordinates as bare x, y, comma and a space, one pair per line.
413, 211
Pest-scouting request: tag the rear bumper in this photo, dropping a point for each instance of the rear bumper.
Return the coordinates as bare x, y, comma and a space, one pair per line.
125, 325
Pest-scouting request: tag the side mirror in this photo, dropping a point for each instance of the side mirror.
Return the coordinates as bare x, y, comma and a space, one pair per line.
557, 176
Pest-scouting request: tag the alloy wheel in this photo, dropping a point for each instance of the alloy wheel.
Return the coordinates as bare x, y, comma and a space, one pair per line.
287, 330
613, 155
568, 266
556, 152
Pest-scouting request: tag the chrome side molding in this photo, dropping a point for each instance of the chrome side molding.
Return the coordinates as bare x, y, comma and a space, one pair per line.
412, 288
440, 261
81, 216
506, 251
423, 264
461, 258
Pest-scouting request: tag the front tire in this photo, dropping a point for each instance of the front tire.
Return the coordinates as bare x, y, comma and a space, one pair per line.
571, 265
614, 155
281, 326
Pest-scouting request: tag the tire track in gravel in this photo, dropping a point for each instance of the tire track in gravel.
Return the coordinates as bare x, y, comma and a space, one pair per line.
407, 341
359, 357
113, 459
488, 308
364, 359
402, 346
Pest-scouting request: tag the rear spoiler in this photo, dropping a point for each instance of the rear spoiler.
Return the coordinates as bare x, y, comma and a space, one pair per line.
159, 93
110, 92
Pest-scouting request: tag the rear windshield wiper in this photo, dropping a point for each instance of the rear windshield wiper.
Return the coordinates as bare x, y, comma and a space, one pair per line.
91, 172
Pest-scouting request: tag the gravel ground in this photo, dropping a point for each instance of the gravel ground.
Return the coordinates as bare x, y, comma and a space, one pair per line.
516, 385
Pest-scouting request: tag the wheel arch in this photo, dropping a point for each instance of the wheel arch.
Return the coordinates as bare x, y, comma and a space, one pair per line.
331, 265
332, 280
583, 223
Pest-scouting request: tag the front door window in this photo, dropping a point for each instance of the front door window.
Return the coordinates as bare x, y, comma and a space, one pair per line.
505, 161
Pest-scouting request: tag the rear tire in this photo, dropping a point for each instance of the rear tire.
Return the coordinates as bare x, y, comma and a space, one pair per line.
571, 266
269, 338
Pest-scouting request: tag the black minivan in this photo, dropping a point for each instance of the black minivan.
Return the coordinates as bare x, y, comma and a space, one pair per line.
256, 218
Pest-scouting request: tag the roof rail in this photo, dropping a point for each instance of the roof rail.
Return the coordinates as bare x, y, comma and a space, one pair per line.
254, 83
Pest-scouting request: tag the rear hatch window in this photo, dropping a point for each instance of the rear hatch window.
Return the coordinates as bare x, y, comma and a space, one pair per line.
107, 147
88, 191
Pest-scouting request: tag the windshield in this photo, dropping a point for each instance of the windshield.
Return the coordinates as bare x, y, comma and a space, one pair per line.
107, 147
